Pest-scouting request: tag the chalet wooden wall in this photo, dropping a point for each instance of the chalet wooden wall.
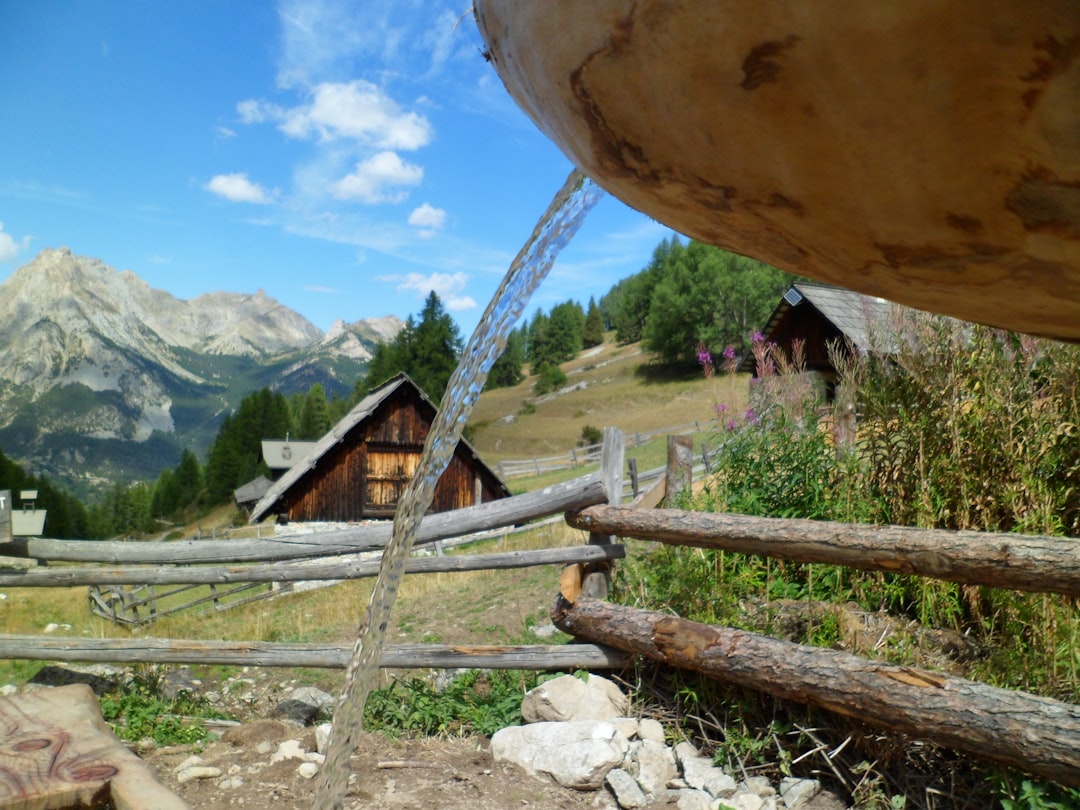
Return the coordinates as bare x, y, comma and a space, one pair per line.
363, 475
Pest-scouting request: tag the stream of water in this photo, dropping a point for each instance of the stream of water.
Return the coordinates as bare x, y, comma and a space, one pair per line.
556, 227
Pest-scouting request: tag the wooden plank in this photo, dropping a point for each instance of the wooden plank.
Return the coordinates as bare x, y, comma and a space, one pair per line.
327, 655
1034, 733
56, 577
551, 500
56, 751
1033, 563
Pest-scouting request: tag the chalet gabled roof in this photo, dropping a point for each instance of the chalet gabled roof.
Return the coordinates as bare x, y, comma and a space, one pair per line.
365, 408
852, 313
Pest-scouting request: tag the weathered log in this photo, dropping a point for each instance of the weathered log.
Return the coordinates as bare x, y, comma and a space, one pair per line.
56, 751
54, 577
597, 578
579, 492
325, 656
1026, 731
1034, 563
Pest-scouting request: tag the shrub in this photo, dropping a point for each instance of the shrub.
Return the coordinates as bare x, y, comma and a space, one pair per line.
549, 377
590, 435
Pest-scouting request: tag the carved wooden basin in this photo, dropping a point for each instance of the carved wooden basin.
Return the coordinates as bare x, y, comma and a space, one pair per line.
926, 151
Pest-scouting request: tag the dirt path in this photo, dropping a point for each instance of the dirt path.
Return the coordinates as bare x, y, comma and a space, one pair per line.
452, 774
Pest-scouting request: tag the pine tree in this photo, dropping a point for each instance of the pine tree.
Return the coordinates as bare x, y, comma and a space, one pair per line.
592, 333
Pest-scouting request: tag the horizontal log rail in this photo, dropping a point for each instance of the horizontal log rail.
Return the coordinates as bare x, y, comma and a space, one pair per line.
1036, 734
575, 494
55, 577
1033, 563
325, 656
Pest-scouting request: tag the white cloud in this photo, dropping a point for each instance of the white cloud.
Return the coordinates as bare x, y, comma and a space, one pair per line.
238, 188
429, 219
448, 286
374, 178
10, 246
358, 111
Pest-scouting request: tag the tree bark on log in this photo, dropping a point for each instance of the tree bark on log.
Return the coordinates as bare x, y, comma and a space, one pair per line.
316, 655
1033, 563
1026, 731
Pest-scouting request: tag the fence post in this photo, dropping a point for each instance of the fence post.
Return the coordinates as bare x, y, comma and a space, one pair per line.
680, 464
706, 457
597, 579
632, 463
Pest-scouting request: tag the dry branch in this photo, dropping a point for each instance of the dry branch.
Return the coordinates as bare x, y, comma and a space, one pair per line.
1034, 563
1026, 731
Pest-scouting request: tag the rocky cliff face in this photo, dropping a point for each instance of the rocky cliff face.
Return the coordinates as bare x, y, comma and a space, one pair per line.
91, 355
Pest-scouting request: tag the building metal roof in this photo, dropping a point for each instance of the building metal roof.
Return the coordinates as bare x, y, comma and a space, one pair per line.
284, 455
337, 434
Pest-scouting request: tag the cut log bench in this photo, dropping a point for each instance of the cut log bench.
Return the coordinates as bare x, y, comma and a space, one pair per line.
57, 752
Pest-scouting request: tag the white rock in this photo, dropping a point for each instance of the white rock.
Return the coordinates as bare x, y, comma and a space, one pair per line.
288, 749
322, 737
197, 772
685, 750
626, 789
627, 725
747, 801
231, 783
51, 627
654, 766
796, 793
651, 730
571, 698
696, 800
700, 773
759, 785
189, 762
575, 754
8, 689
308, 770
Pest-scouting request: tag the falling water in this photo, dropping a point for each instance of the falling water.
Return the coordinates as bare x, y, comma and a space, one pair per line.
554, 230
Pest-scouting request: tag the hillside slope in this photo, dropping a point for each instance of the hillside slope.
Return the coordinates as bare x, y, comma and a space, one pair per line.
607, 386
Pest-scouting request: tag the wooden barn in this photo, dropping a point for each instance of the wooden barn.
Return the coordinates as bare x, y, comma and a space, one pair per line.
360, 468
819, 314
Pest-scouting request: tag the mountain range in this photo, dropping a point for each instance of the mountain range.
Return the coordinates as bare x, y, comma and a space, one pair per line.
105, 379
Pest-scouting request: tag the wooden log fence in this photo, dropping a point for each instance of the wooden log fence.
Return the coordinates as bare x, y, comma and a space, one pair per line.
1033, 733
1033, 563
1036, 734
582, 456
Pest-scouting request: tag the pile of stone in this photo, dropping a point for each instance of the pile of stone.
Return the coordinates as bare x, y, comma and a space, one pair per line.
576, 732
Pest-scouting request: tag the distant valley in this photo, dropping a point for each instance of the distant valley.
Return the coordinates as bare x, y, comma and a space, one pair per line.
104, 378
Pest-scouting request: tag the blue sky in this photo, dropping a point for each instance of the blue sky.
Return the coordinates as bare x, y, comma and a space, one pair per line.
346, 157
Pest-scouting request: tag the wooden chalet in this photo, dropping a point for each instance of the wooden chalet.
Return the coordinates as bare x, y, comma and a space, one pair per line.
360, 468
819, 314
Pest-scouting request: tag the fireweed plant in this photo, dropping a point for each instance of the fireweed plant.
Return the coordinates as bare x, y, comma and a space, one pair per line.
941, 424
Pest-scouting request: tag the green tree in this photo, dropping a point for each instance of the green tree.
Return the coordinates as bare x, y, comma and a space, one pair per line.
236, 453
627, 303
565, 324
314, 415
592, 333
427, 350
708, 295
506, 371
